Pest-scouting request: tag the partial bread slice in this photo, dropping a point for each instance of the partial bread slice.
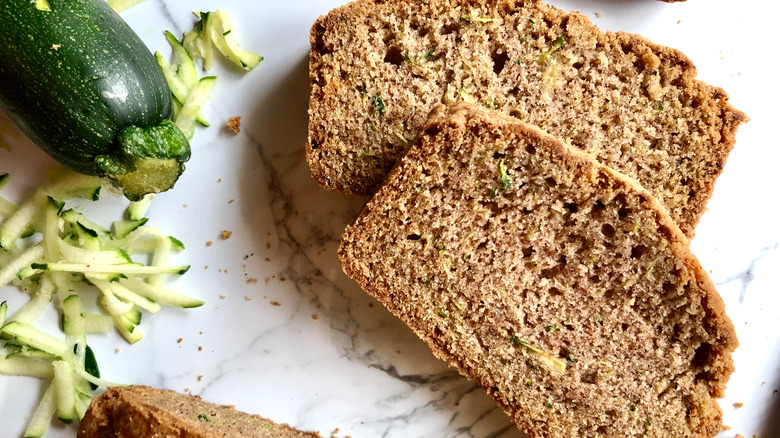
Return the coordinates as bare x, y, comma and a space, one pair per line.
559, 285
145, 412
378, 67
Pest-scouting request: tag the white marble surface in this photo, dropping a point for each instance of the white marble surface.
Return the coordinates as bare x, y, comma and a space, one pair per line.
304, 344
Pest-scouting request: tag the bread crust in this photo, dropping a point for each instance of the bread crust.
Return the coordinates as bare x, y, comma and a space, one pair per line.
381, 252
635, 105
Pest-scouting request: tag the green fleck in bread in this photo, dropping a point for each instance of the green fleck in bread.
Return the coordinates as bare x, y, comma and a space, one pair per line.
145, 412
378, 67
559, 285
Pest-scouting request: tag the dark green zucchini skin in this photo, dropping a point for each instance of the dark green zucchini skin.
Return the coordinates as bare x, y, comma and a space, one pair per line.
74, 77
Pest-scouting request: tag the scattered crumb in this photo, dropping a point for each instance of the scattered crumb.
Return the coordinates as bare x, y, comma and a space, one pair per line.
56, 46
679, 21
315, 317
251, 280
234, 124
185, 205
200, 378
598, 14
200, 348
206, 267
231, 201
738, 405
276, 303
222, 297
225, 234
178, 341
219, 180
267, 259
268, 245
209, 243
755, 435
186, 389
248, 298
725, 427
267, 280
282, 279
117, 350
370, 304
739, 435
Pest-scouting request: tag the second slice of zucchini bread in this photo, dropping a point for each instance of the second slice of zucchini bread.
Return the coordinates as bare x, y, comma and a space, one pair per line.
378, 67
559, 285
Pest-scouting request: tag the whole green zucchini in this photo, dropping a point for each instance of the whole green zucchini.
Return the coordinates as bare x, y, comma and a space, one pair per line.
84, 87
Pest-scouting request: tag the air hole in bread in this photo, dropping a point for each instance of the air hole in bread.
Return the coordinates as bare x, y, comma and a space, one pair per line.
550, 181
498, 155
702, 355
500, 59
394, 56
607, 230
413, 237
450, 28
530, 150
319, 43
638, 251
571, 207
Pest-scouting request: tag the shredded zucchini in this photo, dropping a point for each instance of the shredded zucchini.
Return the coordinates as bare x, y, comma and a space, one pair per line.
53, 251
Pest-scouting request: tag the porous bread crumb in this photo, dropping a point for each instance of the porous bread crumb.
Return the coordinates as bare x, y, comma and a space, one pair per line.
225, 234
377, 68
234, 124
514, 230
140, 411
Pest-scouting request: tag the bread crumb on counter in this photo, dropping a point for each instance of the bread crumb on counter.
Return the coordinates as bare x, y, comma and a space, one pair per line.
234, 124
225, 234
738, 405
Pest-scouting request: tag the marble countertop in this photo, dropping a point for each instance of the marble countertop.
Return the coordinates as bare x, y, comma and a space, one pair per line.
285, 334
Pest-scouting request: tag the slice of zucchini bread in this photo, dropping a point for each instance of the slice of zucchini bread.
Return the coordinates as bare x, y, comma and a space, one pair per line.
378, 67
145, 412
559, 285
